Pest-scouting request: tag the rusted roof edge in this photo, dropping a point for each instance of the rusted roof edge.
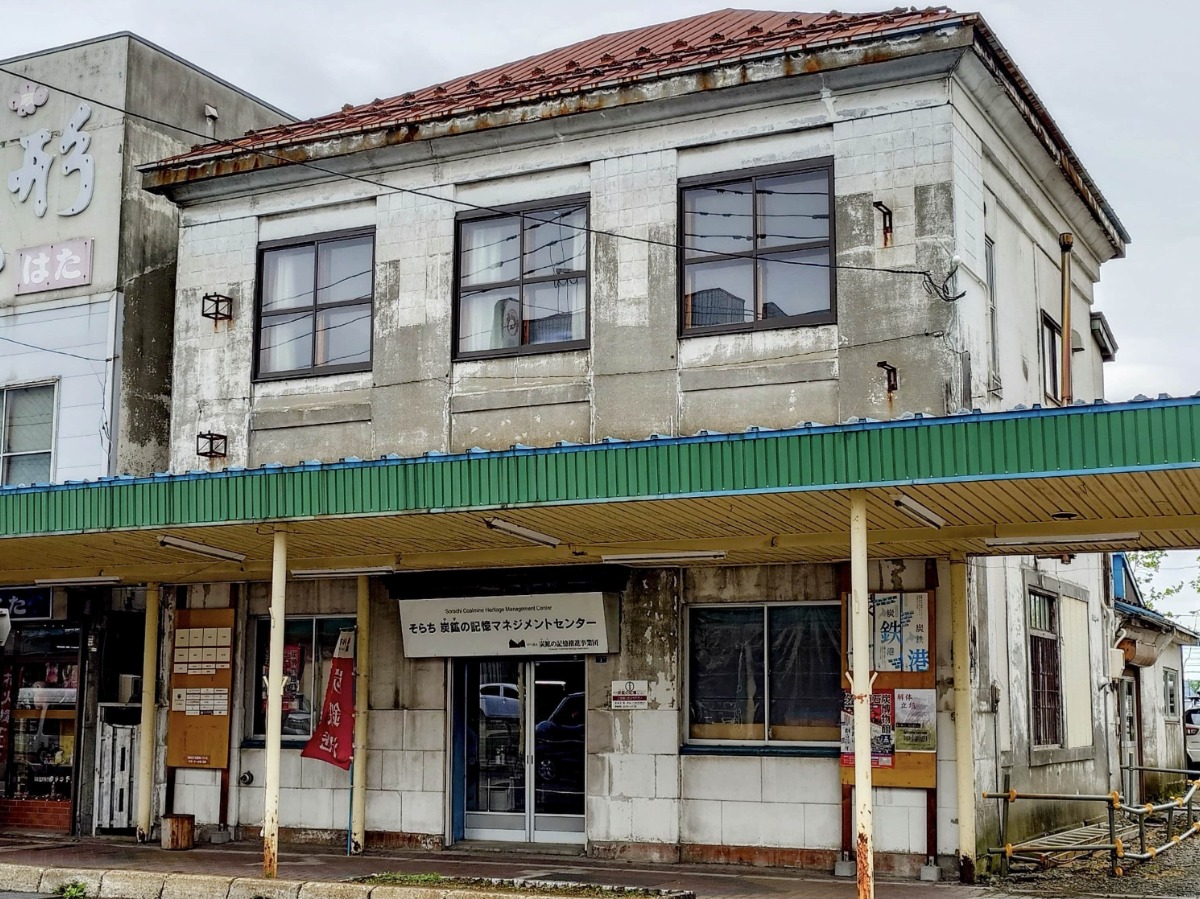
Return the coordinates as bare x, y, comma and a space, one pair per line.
998, 61
231, 149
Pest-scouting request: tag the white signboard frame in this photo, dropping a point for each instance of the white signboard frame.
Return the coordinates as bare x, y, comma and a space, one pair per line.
520, 625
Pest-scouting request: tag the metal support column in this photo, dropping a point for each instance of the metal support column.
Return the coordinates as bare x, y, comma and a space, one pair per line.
860, 630
146, 738
362, 655
964, 739
270, 828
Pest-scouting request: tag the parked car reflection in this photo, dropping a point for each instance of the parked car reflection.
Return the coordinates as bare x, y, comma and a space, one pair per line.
559, 756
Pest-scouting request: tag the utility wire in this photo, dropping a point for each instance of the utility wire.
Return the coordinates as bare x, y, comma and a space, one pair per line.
942, 290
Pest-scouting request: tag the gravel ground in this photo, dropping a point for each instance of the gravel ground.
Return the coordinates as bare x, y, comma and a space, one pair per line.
1175, 874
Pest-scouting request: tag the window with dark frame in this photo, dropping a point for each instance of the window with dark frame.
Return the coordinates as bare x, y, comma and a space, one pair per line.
315, 306
1045, 670
308, 645
756, 251
26, 434
765, 673
522, 281
1051, 358
989, 257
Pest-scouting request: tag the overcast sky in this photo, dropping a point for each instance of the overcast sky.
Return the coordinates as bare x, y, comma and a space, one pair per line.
1119, 79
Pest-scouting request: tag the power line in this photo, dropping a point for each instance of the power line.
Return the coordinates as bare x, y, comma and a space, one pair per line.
931, 284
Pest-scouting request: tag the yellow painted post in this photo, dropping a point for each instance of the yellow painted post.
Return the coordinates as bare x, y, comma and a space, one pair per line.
270, 828
146, 736
362, 653
964, 739
860, 629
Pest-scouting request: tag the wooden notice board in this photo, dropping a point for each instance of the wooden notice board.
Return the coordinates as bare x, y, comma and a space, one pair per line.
903, 654
201, 680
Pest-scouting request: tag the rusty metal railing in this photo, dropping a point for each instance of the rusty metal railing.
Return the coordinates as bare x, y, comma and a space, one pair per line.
1038, 853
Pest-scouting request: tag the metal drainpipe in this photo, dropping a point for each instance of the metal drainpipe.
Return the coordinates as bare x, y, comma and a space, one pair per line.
861, 687
1065, 242
362, 653
270, 828
964, 738
146, 736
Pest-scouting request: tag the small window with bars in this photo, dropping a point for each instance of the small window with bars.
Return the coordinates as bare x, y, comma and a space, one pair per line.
1045, 669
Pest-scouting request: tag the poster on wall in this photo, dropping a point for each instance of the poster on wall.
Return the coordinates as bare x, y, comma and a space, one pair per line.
900, 631
883, 737
916, 720
537, 624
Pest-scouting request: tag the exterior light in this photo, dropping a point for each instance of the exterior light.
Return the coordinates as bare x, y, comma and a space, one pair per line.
212, 445
97, 581
217, 306
202, 549
507, 527
313, 574
918, 510
696, 555
1064, 539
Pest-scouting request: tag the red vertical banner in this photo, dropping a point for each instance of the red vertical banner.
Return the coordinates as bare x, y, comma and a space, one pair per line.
333, 739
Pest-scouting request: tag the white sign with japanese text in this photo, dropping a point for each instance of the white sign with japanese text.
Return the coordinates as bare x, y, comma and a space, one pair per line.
538, 624
630, 694
54, 266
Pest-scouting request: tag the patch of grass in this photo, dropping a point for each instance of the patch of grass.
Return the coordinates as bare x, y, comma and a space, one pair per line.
73, 890
395, 878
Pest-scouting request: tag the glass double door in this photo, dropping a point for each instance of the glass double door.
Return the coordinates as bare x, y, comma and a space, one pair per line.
523, 726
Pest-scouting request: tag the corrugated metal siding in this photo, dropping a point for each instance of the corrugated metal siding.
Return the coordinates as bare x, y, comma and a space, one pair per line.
1076, 672
1025, 444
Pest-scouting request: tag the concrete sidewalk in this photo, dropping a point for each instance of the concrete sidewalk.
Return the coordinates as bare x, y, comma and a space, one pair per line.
309, 869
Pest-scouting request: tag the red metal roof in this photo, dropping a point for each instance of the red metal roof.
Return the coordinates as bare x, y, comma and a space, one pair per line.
700, 41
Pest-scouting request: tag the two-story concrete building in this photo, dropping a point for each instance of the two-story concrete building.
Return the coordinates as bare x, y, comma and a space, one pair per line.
742, 219
87, 287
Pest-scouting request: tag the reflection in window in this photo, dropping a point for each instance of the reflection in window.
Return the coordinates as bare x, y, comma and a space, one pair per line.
308, 645
522, 280
315, 307
38, 716
756, 252
765, 672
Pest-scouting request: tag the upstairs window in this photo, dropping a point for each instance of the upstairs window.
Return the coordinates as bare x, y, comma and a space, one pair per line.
756, 251
1051, 359
26, 434
314, 307
523, 281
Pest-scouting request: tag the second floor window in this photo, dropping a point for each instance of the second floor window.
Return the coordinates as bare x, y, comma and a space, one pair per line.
315, 306
26, 434
756, 251
1051, 358
523, 281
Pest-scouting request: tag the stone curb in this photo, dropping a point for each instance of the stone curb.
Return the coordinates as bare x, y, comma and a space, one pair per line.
126, 883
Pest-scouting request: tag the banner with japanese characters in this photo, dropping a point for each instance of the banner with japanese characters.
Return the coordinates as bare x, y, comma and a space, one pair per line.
540, 624
899, 632
883, 733
333, 739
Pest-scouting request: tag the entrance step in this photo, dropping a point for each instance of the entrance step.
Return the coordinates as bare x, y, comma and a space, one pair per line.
498, 846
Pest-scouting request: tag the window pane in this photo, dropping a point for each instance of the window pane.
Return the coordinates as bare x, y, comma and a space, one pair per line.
795, 283
28, 419
287, 278
285, 343
806, 672
489, 320
1046, 691
298, 716
792, 209
345, 270
554, 311
718, 219
491, 251
725, 674
30, 469
554, 242
344, 335
718, 293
